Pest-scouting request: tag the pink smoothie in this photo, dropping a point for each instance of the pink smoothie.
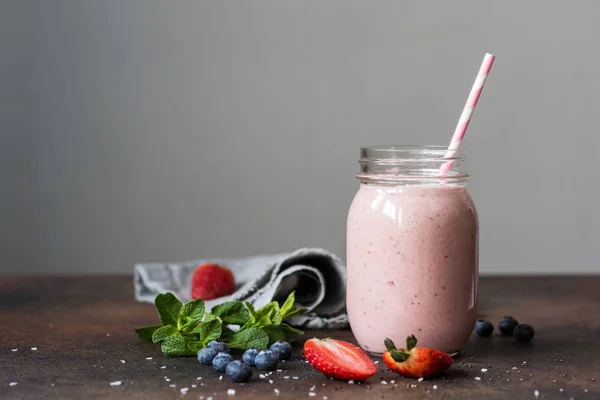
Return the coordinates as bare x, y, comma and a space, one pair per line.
412, 257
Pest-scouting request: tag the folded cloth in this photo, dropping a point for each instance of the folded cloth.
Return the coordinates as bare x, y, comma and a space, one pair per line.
317, 276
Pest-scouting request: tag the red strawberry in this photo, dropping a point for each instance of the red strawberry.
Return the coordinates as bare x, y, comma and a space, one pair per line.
339, 359
415, 362
211, 281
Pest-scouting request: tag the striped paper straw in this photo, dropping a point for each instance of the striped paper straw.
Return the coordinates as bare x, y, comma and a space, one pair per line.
465, 117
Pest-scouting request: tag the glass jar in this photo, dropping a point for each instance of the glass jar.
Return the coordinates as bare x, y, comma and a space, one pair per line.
412, 250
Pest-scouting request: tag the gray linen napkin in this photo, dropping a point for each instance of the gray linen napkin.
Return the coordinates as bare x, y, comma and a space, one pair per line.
317, 275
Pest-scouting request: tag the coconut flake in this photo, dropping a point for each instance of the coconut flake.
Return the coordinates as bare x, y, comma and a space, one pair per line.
184, 390
115, 383
231, 392
420, 379
16, 383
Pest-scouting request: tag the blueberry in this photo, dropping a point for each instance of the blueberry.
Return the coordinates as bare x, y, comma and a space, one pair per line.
206, 355
220, 362
507, 325
484, 328
283, 348
238, 371
523, 332
250, 355
220, 346
267, 360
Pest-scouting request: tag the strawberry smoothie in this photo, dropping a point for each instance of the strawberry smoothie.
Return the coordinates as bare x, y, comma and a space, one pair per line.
412, 256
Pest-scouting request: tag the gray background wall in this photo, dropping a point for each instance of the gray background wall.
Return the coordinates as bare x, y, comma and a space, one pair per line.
137, 130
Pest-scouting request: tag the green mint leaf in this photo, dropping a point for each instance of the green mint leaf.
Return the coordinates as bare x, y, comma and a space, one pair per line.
163, 332
249, 338
411, 342
226, 334
208, 331
276, 318
287, 328
289, 304
264, 315
176, 345
251, 310
190, 315
275, 333
195, 346
232, 312
146, 333
288, 310
168, 307
294, 312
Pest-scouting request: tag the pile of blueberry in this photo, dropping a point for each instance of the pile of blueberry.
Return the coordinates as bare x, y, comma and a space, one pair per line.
508, 326
217, 354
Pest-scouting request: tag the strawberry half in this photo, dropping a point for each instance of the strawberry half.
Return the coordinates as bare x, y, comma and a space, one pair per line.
415, 362
339, 359
211, 281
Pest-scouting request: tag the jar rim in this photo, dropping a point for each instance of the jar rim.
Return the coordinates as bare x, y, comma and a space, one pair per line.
406, 163
407, 153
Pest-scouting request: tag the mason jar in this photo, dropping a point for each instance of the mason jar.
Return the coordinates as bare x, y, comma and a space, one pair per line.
412, 249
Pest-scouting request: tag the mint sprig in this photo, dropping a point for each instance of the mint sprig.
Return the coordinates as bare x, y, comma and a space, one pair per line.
187, 328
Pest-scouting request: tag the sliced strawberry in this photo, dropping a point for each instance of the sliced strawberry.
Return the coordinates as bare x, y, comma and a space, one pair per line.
339, 359
415, 362
211, 281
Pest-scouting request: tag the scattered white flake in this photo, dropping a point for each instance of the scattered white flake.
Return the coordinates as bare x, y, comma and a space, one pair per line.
194, 385
420, 379
311, 394
484, 370
279, 370
286, 377
34, 348
201, 397
163, 367
271, 381
477, 378
221, 377
312, 388
16, 383
514, 367
184, 390
122, 361
351, 382
14, 349
383, 382
209, 398
262, 376
231, 392
324, 397
524, 362
561, 390
115, 383
376, 362
198, 378
167, 379
172, 385
148, 358
294, 377
306, 361
276, 391
392, 381
434, 387
108, 334
585, 390
536, 393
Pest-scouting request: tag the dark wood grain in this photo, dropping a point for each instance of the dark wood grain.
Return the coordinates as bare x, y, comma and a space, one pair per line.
83, 326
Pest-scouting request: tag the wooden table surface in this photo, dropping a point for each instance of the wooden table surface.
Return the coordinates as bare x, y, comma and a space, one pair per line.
83, 326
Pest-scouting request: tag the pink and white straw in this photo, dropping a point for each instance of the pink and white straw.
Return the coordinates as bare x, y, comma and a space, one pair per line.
467, 113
